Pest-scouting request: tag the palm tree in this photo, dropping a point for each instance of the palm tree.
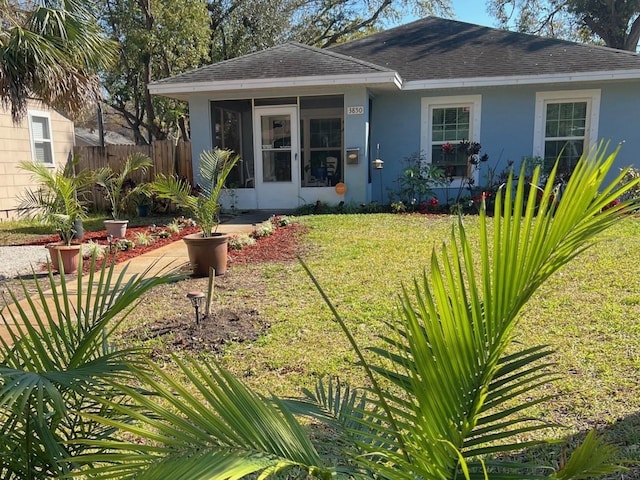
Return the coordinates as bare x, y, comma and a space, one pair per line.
447, 397
51, 50
60, 199
56, 360
114, 183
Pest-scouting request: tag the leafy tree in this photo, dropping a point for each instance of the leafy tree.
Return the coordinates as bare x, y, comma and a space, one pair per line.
51, 50
448, 394
616, 23
156, 39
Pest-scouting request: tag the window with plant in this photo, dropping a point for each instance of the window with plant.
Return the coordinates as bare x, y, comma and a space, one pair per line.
450, 125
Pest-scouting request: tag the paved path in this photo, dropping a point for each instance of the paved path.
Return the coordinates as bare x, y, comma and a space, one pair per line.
173, 255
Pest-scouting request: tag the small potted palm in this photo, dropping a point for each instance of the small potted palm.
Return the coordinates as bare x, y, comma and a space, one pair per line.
208, 248
59, 201
119, 189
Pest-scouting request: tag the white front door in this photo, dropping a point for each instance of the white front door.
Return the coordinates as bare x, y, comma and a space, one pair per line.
277, 157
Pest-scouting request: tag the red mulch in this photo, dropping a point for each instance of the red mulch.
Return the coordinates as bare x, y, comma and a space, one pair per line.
281, 245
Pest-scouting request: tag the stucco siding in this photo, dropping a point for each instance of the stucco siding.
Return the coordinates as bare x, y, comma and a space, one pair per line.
15, 147
507, 125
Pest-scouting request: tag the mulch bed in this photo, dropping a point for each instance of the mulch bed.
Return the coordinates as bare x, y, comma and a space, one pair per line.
281, 245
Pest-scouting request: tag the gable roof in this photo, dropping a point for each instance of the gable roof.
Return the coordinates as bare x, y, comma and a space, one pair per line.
428, 53
283, 65
438, 49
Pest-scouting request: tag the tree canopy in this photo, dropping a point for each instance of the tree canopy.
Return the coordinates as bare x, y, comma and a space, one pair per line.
51, 50
161, 38
614, 23
156, 39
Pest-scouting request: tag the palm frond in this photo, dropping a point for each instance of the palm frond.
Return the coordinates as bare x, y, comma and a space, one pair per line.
240, 432
57, 352
448, 352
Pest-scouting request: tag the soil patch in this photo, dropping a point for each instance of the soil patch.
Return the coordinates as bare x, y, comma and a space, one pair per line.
165, 320
211, 334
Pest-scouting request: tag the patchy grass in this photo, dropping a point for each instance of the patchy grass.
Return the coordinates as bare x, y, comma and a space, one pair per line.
589, 313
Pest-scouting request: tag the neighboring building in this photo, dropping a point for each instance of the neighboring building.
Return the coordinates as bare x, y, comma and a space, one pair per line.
90, 137
306, 119
44, 135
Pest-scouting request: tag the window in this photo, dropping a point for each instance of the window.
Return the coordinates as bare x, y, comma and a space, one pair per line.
321, 141
566, 123
41, 139
450, 120
228, 135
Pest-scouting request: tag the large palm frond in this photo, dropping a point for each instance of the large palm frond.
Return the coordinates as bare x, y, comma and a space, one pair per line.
52, 51
459, 396
56, 353
223, 431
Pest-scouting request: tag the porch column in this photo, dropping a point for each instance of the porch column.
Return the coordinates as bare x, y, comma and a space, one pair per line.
201, 130
356, 135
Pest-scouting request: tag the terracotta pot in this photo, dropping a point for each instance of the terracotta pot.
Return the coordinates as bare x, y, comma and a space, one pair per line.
69, 254
206, 252
117, 228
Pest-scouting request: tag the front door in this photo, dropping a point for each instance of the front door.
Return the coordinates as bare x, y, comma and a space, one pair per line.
277, 159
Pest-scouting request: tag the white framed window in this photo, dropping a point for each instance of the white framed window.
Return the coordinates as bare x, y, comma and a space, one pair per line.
41, 137
450, 120
566, 124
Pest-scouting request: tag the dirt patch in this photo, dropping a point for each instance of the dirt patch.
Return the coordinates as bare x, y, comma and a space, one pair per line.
211, 334
165, 320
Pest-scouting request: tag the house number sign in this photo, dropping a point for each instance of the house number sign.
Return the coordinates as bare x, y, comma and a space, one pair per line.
358, 110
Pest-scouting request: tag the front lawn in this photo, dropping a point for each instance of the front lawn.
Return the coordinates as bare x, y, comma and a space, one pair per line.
589, 313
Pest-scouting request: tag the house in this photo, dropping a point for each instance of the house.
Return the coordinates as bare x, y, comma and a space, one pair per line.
309, 122
44, 135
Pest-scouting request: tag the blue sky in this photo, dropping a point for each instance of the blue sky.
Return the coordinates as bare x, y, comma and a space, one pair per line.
472, 11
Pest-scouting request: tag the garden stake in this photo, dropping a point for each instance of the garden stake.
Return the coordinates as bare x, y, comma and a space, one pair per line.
212, 276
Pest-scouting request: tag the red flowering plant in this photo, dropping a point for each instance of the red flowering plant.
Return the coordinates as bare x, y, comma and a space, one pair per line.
419, 178
467, 182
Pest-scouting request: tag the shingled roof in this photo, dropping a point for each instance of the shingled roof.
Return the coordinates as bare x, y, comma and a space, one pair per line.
287, 60
435, 48
428, 53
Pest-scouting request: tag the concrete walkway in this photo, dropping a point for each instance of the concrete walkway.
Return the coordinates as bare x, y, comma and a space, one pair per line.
171, 255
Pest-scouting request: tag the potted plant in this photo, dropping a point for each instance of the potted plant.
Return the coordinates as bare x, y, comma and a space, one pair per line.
208, 248
142, 203
119, 189
59, 201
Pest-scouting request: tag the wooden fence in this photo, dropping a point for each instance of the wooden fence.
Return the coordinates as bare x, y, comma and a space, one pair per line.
167, 157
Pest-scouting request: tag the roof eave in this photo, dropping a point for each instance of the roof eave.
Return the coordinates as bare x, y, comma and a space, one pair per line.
515, 80
184, 89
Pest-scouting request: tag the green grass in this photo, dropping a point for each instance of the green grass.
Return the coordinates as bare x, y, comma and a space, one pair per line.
589, 313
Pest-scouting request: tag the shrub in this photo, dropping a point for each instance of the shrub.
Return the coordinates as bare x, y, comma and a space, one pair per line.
124, 244
238, 242
263, 229
93, 249
173, 227
143, 239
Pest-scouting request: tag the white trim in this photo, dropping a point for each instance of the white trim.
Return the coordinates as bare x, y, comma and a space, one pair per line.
427, 103
522, 80
592, 97
284, 82
47, 115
